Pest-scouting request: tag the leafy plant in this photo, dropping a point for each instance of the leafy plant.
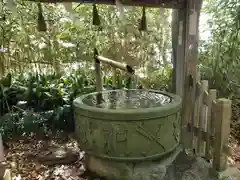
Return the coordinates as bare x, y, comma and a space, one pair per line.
219, 57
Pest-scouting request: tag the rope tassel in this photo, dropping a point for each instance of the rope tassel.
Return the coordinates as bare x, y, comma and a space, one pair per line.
41, 22
143, 22
12, 6
96, 17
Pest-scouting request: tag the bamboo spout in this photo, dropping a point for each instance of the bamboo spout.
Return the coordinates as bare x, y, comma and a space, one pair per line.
116, 64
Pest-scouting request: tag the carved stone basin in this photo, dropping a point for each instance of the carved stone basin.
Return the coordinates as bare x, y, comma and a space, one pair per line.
128, 125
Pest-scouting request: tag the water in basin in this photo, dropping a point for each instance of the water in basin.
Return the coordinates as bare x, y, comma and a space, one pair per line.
126, 99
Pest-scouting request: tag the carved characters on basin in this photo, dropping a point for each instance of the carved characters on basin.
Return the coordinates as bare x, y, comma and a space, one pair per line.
120, 141
107, 135
149, 135
127, 139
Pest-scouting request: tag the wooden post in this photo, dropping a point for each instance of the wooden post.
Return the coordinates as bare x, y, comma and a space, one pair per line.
222, 125
192, 13
202, 118
196, 111
178, 56
178, 44
210, 128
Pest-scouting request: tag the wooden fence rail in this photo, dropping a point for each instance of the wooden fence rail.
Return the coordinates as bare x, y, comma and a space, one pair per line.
208, 131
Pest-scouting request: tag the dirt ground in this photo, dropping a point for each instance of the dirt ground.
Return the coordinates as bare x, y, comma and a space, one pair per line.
235, 134
26, 159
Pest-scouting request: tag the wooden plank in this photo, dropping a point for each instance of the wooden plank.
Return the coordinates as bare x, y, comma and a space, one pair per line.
210, 98
222, 125
196, 110
202, 118
213, 114
203, 135
226, 148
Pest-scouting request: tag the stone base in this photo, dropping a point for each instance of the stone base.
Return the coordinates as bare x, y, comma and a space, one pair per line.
178, 166
231, 173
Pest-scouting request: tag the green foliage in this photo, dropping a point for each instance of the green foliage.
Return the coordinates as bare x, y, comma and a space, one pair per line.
29, 97
67, 41
219, 57
50, 68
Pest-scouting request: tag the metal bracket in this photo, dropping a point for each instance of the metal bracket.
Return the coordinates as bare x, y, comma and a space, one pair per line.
190, 80
95, 55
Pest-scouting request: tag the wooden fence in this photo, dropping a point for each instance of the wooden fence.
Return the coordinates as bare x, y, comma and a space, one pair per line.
208, 132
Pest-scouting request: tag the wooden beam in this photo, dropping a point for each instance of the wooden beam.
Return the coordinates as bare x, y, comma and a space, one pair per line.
174, 50
178, 36
174, 4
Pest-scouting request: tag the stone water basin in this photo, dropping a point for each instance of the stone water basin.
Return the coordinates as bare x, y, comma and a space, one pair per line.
128, 125
134, 135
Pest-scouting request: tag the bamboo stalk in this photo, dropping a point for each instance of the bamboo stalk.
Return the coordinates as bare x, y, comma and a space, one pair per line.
114, 78
116, 64
99, 83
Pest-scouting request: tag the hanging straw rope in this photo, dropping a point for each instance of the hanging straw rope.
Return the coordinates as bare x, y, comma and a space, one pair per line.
41, 26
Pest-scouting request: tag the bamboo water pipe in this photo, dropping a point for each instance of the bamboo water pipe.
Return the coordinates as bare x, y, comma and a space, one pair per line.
122, 66
116, 64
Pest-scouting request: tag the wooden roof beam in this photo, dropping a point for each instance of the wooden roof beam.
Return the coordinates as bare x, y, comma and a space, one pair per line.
174, 4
